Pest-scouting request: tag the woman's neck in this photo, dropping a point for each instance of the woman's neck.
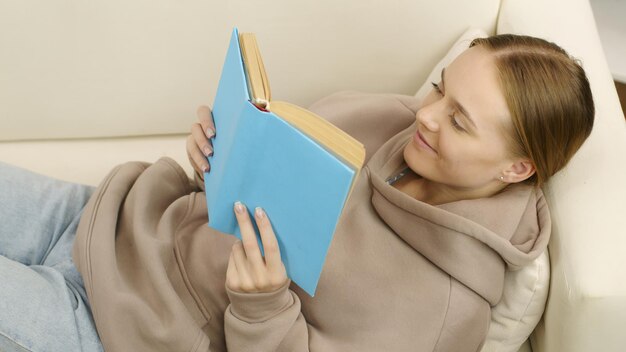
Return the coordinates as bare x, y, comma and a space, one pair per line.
436, 193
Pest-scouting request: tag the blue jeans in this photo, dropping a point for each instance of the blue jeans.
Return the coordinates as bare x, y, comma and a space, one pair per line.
43, 304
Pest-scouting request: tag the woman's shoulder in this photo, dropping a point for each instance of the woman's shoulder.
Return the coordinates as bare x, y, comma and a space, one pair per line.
371, 118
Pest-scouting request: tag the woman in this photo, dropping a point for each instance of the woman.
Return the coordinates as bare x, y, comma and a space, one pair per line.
419, 254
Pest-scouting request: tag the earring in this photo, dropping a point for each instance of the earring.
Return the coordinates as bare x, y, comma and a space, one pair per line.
502, 178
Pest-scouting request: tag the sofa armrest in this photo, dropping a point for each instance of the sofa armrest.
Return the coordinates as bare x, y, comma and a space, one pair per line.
586, 307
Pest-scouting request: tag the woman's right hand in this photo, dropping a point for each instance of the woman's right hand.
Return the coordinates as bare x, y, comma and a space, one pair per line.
199, 145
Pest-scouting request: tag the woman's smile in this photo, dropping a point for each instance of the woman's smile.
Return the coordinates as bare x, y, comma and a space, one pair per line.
421, 142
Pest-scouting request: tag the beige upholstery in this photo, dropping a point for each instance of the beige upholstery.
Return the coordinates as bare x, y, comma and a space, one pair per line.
80, 82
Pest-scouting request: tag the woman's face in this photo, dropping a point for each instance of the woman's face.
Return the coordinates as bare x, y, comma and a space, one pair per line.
460, 140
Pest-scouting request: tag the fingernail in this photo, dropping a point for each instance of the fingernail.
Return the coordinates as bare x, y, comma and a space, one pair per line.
207, 151
238, 207
205, 168
210, 132
259, 212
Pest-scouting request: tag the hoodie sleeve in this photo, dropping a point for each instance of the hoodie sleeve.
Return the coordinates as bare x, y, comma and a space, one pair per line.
265, 322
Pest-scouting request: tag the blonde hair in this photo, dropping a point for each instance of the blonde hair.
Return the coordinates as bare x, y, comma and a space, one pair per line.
548, 96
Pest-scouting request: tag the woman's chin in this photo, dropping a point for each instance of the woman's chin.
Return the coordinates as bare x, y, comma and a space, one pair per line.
415, 162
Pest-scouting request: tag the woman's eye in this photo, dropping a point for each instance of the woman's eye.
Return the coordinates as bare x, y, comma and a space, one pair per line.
456, 124
453, 120
436, 87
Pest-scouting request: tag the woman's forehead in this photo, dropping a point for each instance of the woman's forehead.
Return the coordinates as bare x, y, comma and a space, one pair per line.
473, 80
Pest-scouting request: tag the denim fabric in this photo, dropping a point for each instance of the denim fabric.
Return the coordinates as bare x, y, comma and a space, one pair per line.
43, 304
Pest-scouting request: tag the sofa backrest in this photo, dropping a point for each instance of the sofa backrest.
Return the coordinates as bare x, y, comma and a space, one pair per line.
80, 69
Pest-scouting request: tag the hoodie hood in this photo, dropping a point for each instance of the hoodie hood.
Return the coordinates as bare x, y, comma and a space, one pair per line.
471, 240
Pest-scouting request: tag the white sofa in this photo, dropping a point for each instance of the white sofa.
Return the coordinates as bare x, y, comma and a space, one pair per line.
88, 85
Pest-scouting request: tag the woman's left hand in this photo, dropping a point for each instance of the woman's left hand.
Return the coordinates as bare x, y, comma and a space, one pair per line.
248, 271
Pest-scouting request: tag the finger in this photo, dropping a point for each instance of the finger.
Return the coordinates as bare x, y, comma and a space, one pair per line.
249, 239
232, 277
204, 144
268, 238
196, 157
241, 264
205, 118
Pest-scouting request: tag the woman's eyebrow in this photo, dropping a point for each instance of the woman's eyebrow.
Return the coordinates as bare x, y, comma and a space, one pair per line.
458, 105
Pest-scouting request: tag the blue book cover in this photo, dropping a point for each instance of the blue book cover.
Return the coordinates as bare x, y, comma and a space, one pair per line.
261, 160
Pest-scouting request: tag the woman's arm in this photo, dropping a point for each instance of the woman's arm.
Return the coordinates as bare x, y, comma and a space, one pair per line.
264, 315
265, 322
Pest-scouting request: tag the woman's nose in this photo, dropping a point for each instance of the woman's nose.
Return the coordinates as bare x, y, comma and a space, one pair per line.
429, 116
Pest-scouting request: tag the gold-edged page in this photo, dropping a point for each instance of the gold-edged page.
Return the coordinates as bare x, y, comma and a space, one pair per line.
328, 135
258, 84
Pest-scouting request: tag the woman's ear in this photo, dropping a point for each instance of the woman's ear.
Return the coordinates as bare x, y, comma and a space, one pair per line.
518, 171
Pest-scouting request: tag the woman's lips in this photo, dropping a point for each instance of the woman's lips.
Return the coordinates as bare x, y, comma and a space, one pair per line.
421, 141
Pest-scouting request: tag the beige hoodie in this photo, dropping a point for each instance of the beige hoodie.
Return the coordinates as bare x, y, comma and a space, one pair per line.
400, 275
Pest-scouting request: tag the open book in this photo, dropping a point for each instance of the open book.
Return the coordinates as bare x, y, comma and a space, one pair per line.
294, 164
